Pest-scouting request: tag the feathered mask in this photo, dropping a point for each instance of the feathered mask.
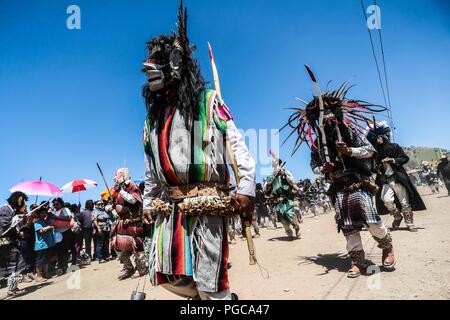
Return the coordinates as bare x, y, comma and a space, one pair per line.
168, 55
328, 109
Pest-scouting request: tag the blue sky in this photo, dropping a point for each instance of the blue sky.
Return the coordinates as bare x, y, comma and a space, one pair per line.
71, 98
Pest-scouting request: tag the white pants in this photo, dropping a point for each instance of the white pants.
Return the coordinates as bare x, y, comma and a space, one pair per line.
265, 221
186, 288
354, 242
389, 192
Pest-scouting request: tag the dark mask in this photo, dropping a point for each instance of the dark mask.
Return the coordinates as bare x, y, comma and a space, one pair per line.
163, 67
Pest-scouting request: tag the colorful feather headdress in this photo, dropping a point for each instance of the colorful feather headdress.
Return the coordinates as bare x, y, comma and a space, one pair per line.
337, 108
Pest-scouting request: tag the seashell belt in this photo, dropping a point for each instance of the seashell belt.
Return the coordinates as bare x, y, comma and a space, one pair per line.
198, 200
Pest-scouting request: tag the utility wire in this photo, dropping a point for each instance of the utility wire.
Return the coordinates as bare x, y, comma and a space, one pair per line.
378, 68
386, 77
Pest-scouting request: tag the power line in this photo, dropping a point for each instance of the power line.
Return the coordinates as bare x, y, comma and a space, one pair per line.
385, 76
388, 105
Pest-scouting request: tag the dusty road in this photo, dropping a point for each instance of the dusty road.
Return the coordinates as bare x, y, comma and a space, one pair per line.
313, 267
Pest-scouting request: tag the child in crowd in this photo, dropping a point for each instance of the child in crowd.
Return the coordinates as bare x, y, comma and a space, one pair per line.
44, 244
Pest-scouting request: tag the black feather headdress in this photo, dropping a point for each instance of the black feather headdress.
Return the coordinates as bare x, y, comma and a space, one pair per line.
176, 51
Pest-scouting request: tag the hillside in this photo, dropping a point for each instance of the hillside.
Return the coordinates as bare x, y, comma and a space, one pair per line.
419, 154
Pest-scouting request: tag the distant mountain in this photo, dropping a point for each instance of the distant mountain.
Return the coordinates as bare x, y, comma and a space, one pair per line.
419, 154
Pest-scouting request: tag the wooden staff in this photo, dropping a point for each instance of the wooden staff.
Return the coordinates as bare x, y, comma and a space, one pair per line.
245, 216
104, 180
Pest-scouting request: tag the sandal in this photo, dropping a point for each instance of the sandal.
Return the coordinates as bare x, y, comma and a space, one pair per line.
388, 258
352, 273
27, 279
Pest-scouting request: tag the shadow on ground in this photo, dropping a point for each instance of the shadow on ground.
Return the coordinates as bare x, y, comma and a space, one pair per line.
404, 229
29, 289
283, 238
332, 261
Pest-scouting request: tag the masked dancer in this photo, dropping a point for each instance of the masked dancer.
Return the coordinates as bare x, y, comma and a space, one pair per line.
128, 232
343, 154
282, 188
186, 197
397, 194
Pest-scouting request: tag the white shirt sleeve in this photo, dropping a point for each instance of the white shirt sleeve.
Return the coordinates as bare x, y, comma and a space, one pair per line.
152, 183
128, 196
245, 162
362, 152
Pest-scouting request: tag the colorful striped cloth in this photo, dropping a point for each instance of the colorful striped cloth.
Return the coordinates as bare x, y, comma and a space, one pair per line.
191, 155
190, 246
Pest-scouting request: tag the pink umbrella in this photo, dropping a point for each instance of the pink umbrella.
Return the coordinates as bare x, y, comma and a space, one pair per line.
37, 188
78, 185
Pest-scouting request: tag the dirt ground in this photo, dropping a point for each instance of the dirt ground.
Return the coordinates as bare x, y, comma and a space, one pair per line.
313, 267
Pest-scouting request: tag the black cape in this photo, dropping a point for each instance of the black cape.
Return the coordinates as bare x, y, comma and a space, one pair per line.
444, 169
393, 150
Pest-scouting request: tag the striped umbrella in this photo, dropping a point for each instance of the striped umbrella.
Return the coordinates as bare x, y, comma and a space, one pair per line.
78, 185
